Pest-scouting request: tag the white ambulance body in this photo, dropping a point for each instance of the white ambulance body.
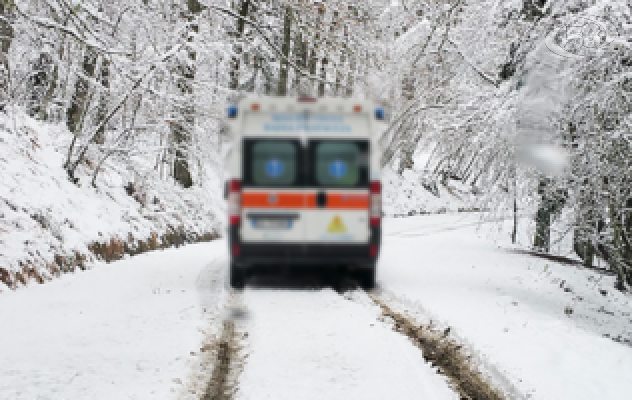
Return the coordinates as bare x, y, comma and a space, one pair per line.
304, 185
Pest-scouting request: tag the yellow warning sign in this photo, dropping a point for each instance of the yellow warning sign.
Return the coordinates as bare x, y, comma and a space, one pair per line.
336, 226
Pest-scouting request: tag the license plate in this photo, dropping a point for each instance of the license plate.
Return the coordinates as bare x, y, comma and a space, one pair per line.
277, 224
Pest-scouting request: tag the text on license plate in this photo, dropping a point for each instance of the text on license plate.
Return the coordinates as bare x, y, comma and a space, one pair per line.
260, 223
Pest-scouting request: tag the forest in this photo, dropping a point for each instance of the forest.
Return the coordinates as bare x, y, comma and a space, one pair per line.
528, 102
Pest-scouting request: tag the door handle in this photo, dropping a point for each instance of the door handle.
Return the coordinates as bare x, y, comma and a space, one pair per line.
321, 199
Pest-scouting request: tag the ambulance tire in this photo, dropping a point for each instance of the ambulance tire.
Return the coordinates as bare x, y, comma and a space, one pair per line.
237, 276
366, 277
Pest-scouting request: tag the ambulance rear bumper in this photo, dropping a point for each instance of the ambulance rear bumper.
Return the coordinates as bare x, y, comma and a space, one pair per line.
308, 254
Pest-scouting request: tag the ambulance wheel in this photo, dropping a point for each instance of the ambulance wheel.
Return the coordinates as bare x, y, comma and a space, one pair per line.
237, 276
366, 277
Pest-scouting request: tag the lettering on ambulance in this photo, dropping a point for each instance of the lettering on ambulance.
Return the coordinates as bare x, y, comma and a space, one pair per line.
308, 123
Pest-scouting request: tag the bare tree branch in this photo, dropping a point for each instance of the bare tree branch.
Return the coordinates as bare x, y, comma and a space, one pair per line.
259, 29
95, 131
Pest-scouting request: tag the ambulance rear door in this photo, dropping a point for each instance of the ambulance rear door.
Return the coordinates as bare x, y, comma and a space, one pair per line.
338, 179
272, 193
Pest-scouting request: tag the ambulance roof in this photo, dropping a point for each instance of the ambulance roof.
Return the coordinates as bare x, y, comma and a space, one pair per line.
322, 117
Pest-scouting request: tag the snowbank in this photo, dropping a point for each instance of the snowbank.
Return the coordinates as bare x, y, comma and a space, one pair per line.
49, 225
417, 192
554, 331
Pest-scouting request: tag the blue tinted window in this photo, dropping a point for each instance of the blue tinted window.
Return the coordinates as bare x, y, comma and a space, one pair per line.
339, 163
273, 162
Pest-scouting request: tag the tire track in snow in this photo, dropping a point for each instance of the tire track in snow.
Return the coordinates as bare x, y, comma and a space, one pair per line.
216, 369
221, 359
220, 385
451, 357
228, 360
444, 352
305, 341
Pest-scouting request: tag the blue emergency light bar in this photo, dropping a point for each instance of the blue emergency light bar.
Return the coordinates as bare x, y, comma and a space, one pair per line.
232, 111
379, 113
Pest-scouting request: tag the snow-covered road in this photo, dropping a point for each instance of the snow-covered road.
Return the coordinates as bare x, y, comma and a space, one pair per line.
317, 344
146, 327
121, 330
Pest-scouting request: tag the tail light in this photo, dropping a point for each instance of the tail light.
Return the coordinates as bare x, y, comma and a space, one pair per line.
375, 206
373, 250
234, 201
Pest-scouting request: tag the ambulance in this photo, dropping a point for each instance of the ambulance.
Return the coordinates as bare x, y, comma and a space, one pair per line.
303, 186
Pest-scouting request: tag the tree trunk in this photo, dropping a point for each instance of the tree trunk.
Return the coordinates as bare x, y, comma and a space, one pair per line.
350, 76
52, 82
542, 239
323, 75
586, 227
39, 82
514, 231
627, 239
183, 127
6, 30
48, 96
407, 147
285, 49
300, 54
298, 57
104, 80
552, 203
618, 260
318, 37
78, 106
256, 65
338, 78
238, 47
583, 247
313, 60
267, 84
6, 37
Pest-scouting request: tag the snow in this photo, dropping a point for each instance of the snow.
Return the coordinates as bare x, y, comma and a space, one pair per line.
415, 36
42, 214
134, 328
410, 194
119, 331
511, 307
138, 328
315, 344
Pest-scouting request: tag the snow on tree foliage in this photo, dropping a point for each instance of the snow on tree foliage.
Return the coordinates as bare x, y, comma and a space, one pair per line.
144, 84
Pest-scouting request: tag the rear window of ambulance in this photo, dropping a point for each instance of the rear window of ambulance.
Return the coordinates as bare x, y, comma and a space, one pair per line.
271, 162
340, 163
